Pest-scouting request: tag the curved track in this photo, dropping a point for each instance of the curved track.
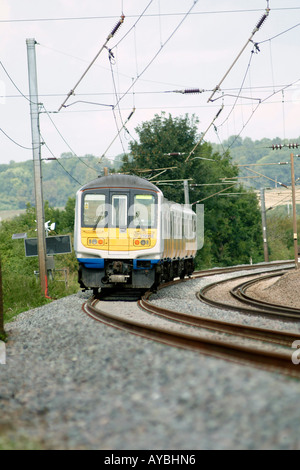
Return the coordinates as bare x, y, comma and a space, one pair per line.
253, 305
271, 351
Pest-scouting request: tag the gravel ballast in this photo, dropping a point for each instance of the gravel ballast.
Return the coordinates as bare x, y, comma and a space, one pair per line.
73, 383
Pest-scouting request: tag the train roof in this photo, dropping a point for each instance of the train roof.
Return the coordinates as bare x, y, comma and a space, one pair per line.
120, 181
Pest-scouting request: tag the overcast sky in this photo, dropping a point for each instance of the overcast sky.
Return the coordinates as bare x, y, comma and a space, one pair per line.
71, 32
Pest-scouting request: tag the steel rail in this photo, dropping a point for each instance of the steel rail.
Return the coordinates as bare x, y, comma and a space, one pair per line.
274, 361
281, 338
240, 293
279, 361
247, 267
257, 307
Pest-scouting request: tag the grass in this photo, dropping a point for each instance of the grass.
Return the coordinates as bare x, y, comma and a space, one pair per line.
22, 292
19, 443
3, 337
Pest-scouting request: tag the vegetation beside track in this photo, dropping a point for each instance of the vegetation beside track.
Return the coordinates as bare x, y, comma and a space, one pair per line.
21, 289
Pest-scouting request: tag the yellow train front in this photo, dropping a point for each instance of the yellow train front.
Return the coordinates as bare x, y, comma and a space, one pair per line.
128, 236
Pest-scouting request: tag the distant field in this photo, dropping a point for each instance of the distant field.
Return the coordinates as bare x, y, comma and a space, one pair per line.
279, 197
5, 215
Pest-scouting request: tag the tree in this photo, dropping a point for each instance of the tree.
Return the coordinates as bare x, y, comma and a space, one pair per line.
232, 226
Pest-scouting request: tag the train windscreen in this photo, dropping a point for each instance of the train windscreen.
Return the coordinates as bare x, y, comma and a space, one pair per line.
94, 210
144, 211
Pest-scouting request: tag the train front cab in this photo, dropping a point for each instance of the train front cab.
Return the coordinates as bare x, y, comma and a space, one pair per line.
119, 241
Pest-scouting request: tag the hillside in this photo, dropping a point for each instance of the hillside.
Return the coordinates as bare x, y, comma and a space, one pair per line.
246, 151
62, 178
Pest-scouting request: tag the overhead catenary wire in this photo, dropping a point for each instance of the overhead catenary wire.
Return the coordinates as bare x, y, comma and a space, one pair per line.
14, 83
240, 91
89, 102
212, 195
133, 27
210, 90
22, 95
204, 134
280, 34
267, 177
65, 141
58, 161
109, 37
123, 127
263, 101
159, 51
156, 92
256, 29
152, 15
14, 141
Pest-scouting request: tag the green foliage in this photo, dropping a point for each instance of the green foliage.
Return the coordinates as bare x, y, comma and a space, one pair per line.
280, 235
19, 442
232, 225
246, 151
61, 180
21, 289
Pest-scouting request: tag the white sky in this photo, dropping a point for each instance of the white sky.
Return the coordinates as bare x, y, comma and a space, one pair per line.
197, 56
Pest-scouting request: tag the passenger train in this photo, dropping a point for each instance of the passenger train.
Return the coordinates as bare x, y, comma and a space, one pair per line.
128, 236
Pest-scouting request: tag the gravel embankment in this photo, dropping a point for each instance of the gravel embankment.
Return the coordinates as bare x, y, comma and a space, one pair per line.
285, 291
73, 383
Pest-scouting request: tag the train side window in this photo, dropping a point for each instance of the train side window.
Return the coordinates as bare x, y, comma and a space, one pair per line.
94, 214
119, 211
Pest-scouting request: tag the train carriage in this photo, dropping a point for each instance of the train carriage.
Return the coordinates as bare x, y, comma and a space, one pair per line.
127, 235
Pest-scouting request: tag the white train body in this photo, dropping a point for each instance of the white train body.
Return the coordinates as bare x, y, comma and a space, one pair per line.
127, 235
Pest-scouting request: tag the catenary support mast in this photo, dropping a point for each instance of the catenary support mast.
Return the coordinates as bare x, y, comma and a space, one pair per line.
36, 149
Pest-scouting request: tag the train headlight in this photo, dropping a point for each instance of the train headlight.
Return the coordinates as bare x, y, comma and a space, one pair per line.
143, 242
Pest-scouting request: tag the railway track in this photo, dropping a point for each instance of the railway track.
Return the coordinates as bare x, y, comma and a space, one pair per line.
268, 349
246, 303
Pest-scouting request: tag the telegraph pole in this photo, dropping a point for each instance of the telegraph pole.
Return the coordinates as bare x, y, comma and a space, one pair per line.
264, 224
36, 149
294, 212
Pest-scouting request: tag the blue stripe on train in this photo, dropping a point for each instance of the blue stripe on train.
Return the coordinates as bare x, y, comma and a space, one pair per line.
98, 263
92, 263
152, 261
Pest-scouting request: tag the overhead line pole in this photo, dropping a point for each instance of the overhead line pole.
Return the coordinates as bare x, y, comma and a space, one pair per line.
294, 212
36, 150
264, 224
